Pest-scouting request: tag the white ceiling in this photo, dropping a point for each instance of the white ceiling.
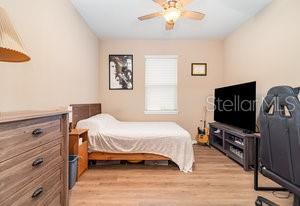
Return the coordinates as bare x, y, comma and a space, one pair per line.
117, 19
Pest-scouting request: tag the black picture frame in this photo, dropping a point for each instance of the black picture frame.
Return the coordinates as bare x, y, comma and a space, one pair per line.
193, 73
124, 79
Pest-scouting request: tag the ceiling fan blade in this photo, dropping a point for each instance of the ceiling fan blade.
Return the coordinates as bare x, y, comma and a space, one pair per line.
160, 2
169, 25
193, 15
150, 16
185, 2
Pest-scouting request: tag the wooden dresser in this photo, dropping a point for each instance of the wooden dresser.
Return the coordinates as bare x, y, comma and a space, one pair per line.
34, 158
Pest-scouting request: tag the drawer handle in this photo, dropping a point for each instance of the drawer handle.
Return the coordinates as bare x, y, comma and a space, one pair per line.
37, 162
37, 192
37, 132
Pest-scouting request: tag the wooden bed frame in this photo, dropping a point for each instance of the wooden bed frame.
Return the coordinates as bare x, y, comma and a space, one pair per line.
84, 111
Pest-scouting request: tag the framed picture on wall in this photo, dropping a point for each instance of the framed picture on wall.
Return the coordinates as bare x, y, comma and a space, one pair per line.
199, 69
120, 72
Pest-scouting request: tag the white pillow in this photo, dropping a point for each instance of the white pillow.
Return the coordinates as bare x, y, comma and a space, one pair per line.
104, 117
98, 123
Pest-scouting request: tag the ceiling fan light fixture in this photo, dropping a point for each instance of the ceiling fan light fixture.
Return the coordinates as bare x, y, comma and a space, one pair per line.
172, 11
172, 14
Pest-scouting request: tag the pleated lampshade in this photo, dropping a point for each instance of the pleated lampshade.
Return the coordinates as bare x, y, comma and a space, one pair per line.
11, 47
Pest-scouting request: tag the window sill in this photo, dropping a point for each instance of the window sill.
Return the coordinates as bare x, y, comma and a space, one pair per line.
161, 112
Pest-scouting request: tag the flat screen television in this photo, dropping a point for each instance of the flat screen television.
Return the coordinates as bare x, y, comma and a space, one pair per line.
236, 105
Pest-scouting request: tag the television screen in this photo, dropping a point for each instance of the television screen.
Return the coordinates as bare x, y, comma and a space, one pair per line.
236, 106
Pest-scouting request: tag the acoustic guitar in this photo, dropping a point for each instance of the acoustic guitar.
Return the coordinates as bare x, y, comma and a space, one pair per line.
203, 137
203, 134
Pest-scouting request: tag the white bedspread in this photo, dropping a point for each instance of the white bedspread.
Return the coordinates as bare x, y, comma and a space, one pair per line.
106, 134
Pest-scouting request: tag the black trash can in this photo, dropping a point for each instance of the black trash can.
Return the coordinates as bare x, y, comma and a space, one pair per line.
73, 162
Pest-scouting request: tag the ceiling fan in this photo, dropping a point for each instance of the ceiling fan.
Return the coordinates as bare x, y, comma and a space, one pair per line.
172, 11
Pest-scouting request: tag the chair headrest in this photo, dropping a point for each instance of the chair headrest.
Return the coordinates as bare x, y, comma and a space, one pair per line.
283, 90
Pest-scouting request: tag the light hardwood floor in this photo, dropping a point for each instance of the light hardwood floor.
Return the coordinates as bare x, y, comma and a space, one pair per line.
216, 180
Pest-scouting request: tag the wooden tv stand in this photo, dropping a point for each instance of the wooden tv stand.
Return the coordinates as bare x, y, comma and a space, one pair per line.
234, 143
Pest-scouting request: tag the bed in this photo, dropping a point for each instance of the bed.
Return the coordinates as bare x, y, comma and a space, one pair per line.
110, 139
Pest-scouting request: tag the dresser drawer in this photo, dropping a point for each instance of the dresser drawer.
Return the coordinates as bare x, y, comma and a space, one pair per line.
19, 171
21, 136
55, 199
38, 192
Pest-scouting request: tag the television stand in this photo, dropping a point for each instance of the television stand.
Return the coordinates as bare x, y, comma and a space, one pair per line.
247, 131
234, 143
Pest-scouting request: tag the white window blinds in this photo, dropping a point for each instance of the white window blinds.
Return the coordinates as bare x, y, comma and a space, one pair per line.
161, 84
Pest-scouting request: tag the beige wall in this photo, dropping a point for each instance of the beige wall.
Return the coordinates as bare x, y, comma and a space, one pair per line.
192, 91
266, 48
65, 60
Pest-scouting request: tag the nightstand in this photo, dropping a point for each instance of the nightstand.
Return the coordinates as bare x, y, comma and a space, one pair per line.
80, 150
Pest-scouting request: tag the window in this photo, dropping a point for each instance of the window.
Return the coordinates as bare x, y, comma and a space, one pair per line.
161, 84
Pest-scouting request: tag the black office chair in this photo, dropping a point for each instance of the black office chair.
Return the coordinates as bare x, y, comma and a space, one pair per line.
280, 140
